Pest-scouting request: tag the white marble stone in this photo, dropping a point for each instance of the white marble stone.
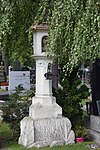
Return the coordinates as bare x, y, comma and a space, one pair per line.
44, 100
38, 111
37, 36
27, 132
48, 131
70, 138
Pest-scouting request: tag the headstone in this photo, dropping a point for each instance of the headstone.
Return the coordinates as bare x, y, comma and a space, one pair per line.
2, 72
45, 124
0, 57
95, 85
16, 66
55, 73
95, 128
19, 78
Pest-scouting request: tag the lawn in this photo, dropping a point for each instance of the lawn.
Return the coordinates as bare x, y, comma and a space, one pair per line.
78, 146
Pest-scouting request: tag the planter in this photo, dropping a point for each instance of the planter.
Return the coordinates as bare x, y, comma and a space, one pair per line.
80, 139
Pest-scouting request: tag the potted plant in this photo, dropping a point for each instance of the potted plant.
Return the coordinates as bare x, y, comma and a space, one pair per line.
81, 133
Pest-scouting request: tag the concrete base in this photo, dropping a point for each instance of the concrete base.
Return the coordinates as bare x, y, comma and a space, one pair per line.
95, 128
44, 132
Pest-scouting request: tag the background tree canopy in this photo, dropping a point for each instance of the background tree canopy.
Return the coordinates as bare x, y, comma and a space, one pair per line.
74, 25
74, 34
15, 19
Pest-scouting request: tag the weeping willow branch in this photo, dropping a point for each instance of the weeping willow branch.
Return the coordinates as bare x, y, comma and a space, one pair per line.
74, 33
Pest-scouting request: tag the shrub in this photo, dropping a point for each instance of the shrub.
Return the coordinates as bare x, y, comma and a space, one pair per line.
69, 97
5, 132
16, 108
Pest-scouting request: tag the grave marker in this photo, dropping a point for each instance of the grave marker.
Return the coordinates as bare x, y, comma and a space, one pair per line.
45, 124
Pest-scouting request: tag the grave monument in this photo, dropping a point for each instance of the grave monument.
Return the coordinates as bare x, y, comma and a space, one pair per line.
95, 108
18, 77
45, 124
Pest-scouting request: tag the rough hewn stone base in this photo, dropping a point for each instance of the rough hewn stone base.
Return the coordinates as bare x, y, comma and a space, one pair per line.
44, 132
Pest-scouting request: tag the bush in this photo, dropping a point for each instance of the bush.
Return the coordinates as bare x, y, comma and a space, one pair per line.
5, 132
15, 109
69, 97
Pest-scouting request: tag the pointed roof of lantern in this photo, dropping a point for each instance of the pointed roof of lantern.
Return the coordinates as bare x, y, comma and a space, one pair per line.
40, 26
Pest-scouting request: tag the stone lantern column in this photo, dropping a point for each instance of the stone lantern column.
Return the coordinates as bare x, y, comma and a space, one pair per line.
45, 124
43, 96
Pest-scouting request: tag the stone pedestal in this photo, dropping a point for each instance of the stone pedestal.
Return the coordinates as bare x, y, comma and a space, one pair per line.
46, 108
44, 132
45, 125
95, 128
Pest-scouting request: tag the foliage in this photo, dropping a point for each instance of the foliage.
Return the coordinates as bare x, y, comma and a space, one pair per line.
74, 33
74, 29
15, 108
16, 18
5, 132
81, 131
69, 97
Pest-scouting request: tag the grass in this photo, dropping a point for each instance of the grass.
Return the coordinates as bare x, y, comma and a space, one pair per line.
77, 146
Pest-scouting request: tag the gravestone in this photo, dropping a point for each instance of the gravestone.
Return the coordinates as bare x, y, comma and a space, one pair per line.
16, 66
2, 72
0, 57
95, 114
17, 77
45, 124
96, 86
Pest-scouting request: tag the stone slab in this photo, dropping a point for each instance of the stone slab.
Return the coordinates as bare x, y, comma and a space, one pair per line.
95, 123
95, 136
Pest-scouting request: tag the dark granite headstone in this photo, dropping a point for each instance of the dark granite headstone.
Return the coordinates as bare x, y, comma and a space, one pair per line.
16, 66
95, 85
2, 72
0, 57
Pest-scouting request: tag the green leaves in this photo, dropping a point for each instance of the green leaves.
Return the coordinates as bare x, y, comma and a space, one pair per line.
15, 108
74, 31
74, 28
16, 17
